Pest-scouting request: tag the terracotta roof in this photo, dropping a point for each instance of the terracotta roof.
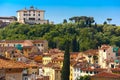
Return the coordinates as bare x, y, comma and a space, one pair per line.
52, 65
93, 69
32, 65
72, 62
79, 65
74, 54
6, 17
81, 58
107, 75
55, 51
115, 69
2, 49
57, 59
46, 55
11, 64
43, 78
104, 47
21, 41
91, 52
28, 47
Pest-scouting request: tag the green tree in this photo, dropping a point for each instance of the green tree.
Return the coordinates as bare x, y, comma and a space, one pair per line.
66, 63
104, 22
64, 21
86, 77
75, 45
109, 20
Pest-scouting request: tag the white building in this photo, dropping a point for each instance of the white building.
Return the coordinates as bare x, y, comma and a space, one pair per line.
7, 19
31, 16
106, 56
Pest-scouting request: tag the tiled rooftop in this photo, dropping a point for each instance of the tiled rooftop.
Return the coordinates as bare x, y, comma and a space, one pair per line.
6, 63
107, 75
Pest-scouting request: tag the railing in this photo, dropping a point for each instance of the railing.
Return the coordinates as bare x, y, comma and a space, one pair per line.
36, 21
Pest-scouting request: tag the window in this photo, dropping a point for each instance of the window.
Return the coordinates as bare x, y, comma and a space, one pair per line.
33, 14
41, 44
38, 14
90, 72
38, 44
26, 78
38, 18
112, 65
29, 14
104, 50
94, 72
31, 18
24, 19
81, 71
87, 72
24, 15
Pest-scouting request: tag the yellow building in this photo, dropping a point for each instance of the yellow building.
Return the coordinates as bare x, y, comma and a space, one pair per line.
53, 71
58, 61
46, 59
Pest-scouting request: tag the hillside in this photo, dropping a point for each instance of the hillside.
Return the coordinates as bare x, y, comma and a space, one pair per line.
82, 36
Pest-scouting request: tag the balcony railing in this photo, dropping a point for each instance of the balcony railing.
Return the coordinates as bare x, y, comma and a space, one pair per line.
36, 21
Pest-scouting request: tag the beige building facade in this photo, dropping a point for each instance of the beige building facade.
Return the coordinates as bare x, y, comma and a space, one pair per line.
31, 16
106, 56
7, 19
42, 45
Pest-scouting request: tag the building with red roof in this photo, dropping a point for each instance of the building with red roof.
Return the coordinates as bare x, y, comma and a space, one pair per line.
106, 76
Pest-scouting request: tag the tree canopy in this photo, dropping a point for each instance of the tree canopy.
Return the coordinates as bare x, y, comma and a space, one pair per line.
83, 35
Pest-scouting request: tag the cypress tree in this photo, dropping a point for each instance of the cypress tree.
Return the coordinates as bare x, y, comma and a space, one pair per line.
66, 63
75, 44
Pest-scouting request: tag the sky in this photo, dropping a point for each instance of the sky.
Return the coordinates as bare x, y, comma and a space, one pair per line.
57, 10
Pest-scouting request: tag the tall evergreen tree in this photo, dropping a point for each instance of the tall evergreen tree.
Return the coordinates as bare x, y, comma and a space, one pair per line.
66, 63
75, 44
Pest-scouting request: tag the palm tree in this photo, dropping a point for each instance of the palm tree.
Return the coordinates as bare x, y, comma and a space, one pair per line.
109, 20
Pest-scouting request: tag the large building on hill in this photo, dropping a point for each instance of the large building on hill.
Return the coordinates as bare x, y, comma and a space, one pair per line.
4, 21
7, 19
31, 16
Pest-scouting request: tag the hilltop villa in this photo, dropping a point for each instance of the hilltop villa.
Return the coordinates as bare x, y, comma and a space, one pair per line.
31, 16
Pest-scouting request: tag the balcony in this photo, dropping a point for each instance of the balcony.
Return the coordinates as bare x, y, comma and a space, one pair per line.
36, 21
